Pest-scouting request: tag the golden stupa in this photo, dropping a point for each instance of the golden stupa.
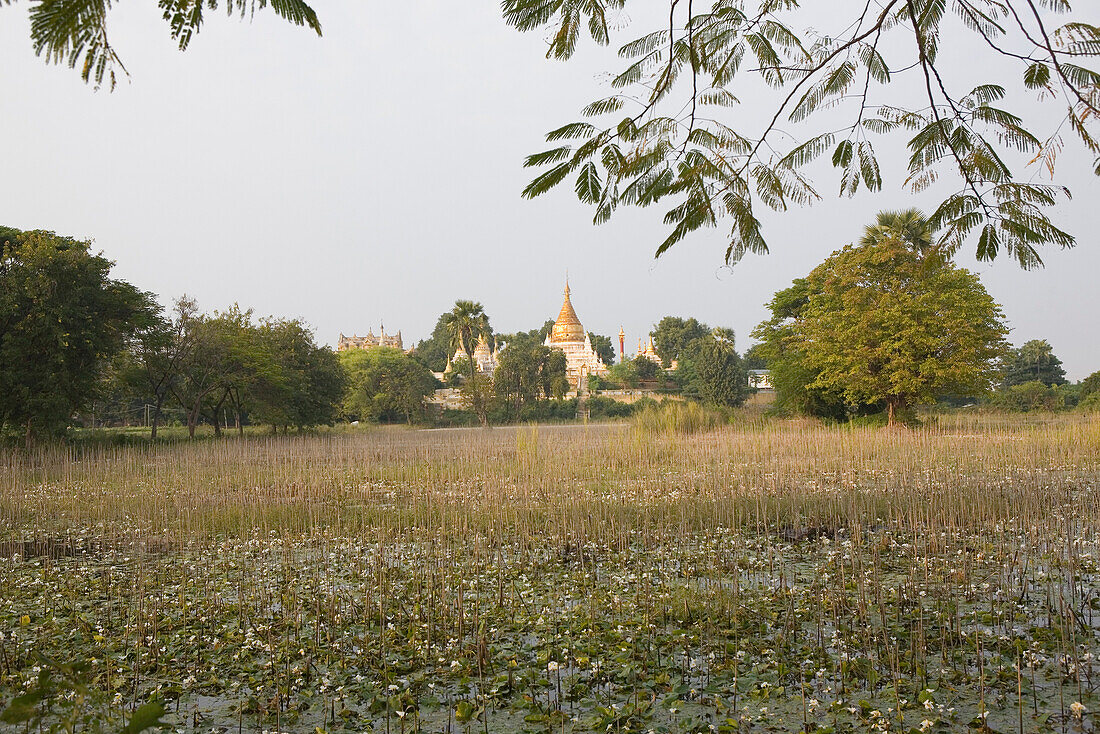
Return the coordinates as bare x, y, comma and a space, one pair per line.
569, 336
567, 327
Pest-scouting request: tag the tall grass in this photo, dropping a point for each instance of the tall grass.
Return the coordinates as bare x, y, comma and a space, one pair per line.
676, 417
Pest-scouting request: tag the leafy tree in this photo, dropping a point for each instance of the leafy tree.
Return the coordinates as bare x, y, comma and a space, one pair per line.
754, 359
155, 355
527, 373
672, 335
434, 351
384, 384
308, 382
834, 97
720, 376
1030, 396
645, 368
526, 338
225, 359
883, 322
467, 323
1035, 361
62, 319
1089, 385
603, 347
76, 33
624, 373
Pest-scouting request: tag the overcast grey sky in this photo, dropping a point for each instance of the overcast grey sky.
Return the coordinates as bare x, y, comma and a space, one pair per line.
373, 175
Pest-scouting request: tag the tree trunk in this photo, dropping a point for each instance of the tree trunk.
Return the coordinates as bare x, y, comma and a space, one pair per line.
30, 436
479, 409
156, 418
217, 417
193, 418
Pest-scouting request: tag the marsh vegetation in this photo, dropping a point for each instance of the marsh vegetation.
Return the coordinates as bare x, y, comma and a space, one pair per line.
766, 576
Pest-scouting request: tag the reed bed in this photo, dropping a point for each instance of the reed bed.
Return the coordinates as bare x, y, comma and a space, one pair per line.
761, 576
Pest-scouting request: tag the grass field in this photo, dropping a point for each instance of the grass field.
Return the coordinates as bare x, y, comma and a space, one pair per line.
768, 576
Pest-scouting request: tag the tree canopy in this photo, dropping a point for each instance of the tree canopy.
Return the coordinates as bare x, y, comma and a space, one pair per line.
1034, 361
672, 335
672, 130
528, 373
883, 322
62, 319
710, 369
385, 385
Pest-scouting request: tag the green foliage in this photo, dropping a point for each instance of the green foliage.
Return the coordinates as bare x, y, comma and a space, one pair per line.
1030, 396
434, 351
63, 698
678, 143
303, 385
603, 347
385, 385
645, 368
527, 373
624, 374
883, 323
673, 334
720, 377
467, 323
75, 32
62, 319
1035, 361
608, 408
754, 359
1089, 386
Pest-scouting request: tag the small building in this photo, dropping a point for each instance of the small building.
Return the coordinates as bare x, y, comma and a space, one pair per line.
761, 380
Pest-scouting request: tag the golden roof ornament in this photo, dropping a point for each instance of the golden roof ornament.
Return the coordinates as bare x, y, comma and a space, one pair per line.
567, 327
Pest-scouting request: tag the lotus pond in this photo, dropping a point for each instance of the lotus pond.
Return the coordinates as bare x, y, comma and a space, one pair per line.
766, 577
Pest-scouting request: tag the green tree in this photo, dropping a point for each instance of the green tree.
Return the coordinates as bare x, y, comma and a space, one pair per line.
883, 322
467, 323
527, 373
1035, 361
720, 376
603, 347
673, 334
1030, 396
226, 359
384, 384
306, 383
624, 374
645, 368
154, 357
1089, 385
62, 319
834, 96
77, 33
754, 359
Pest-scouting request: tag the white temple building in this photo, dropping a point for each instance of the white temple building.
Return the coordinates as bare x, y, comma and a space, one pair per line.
569, 336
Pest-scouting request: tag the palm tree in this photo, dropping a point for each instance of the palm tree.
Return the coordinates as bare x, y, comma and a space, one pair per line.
908, 227
1035, 352
467, 323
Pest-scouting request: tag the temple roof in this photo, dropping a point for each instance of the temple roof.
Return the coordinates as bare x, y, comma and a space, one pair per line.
567, 327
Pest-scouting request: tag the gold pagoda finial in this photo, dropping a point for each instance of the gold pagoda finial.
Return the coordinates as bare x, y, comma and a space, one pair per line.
567, 327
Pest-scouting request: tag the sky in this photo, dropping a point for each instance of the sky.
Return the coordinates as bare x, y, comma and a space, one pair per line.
372, 176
